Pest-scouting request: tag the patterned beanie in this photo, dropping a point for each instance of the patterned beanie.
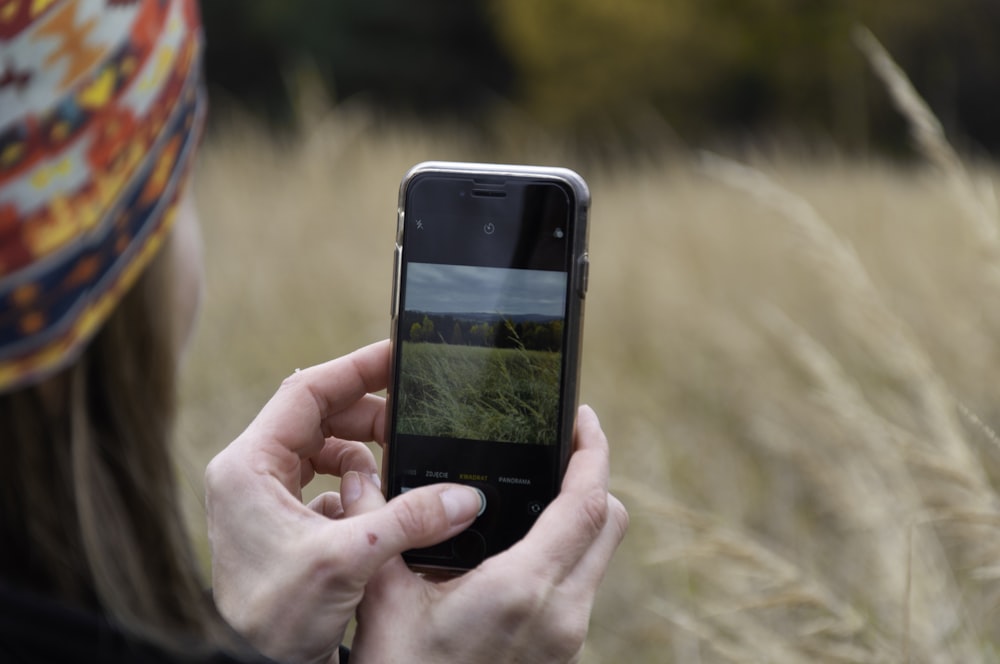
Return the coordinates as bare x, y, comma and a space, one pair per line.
101, 108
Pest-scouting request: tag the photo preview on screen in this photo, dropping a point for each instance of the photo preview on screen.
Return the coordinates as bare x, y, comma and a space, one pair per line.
481, 354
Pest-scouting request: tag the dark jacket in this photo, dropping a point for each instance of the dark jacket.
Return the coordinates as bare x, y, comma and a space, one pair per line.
39, 629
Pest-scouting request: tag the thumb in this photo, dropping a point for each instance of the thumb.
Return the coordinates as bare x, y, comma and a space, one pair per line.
418, 518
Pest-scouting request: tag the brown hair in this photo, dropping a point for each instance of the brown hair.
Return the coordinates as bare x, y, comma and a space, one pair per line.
88, 505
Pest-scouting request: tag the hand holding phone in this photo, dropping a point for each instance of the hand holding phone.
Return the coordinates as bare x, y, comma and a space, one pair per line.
288, 576
530, 603
490, 275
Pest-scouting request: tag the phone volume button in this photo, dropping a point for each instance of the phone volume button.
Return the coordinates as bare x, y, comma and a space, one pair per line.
584, 278
394, 303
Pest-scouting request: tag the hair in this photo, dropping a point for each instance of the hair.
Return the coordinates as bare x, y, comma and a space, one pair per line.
88, 503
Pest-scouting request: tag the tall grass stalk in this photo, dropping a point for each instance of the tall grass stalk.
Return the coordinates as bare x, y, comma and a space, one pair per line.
980, 207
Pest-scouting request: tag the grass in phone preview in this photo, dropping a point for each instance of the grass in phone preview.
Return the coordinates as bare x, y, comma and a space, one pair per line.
481, 353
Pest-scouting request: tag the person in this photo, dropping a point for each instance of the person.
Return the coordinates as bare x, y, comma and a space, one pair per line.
101, 109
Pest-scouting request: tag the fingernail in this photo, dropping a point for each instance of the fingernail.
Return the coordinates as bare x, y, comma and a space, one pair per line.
377, 480
462, 503
350, 488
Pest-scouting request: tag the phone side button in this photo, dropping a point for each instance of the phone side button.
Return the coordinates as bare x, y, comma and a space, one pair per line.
584, 278
394, 303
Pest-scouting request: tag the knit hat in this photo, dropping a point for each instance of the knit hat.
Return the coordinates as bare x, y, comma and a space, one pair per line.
101, 108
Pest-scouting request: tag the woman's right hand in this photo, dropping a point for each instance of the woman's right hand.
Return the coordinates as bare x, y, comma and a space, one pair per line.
288, 576
531, 603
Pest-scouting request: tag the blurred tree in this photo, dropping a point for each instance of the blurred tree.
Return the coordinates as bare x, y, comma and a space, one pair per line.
583, 60
712, 67
435, 56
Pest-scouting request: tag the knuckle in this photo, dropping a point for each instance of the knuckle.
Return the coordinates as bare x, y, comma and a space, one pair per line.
568, 635
320, 563
301, 388
414, 517
227, 472
356, 455
559, 626
327, 569
619, 516
216, 474
523, 602
593, 510
291, 381
298, 384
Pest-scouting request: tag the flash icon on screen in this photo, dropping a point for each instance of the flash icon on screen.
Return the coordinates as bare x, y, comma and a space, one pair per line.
420, 224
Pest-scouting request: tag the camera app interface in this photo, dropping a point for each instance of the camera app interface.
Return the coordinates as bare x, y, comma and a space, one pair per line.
480, 351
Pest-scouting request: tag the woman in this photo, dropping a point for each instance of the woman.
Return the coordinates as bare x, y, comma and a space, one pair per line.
101, 107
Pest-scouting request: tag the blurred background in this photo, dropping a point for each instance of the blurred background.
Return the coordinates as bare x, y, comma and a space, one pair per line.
704, 70
792, 326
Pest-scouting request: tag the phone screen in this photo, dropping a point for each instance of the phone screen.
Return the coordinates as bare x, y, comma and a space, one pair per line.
480, 386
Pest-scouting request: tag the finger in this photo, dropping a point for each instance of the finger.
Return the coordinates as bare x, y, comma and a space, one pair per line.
363, 420
577, 516
394, 574
571, 599
327, 504
391, 588
583, 580
305, 400
290, 426
418, 518
589, 440
396, 585
339, 457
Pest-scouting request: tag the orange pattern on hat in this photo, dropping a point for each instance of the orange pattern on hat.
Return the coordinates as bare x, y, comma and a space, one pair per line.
78, 56
101, 107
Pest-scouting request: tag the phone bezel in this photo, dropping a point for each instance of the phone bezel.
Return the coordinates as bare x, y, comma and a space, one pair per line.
487, 175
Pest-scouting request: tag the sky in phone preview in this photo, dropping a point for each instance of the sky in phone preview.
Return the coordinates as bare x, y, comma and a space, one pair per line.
461, 289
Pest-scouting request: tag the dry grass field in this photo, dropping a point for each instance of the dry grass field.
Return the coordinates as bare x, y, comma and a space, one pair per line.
795, 361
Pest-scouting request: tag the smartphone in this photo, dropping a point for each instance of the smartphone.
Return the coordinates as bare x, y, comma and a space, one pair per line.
490, 275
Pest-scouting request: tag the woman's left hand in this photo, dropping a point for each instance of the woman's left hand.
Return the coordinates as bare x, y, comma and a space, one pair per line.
289, 576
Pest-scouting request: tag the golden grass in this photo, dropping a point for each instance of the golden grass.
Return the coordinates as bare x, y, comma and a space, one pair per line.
793, 361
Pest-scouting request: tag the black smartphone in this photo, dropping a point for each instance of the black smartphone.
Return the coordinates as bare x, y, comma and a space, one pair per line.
490, 275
